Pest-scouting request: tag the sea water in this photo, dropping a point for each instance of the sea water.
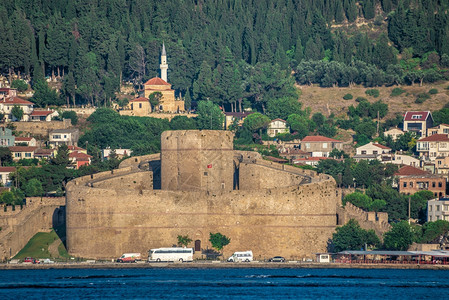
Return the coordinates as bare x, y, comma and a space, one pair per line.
220, 283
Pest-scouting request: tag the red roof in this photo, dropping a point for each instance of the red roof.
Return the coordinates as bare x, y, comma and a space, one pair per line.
41, 112
7, 169
435, 138
16, 101
156, 81
318, 138
381, 146
140, 99
23, 139
79, 156
423, 115
44, 151
410, 171
22, 149
75, 148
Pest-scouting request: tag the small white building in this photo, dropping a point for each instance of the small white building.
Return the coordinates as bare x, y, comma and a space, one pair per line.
4, 175
438, 209
43, 115
276, 127
394, 133
371, 151
59, 137
26, 141
119, 152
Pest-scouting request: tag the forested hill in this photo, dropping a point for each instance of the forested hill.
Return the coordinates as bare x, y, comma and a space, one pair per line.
229, 51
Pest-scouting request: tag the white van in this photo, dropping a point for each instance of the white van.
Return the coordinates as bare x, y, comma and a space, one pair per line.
245, 256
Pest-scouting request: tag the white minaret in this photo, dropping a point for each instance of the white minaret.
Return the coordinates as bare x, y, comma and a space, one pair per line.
164, 65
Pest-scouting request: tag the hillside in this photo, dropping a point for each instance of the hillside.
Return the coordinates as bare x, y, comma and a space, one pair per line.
330, 100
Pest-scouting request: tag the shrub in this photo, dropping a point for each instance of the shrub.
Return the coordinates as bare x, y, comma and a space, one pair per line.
433, 91
396, 92
422, 97
372, 92
360, 99
347, 97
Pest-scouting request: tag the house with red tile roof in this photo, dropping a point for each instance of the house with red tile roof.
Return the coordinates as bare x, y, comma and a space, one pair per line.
276, 127
418, 122
371, 151
433, 146
319, 146
79, 159
43, 115
4, 175
8, 103
412, 180
25, 141
21, 152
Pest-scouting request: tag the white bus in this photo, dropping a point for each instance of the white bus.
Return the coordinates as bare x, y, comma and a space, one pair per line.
170, 254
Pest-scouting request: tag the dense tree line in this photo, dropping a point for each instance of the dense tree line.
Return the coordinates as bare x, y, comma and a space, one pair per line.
218, 50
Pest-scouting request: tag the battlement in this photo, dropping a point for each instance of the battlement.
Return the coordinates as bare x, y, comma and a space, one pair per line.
378, 221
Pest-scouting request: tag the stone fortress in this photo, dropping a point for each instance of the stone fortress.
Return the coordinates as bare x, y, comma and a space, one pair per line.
199, 185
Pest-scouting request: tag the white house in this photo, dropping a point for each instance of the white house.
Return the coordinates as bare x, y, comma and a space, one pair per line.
25, 141
394, 133
4, 175
371, 151
68, 137
43, 115
276, 127
438, 209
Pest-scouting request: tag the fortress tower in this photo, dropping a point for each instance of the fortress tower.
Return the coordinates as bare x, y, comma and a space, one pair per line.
197, 160
164, 65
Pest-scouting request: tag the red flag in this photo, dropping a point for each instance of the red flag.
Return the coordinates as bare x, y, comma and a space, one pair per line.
209, 166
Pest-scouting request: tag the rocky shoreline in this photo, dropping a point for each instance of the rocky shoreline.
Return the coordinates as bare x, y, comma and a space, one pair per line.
224, 265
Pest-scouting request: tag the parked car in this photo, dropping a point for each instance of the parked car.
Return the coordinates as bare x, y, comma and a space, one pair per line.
277, 259
47, 261
30, 260
242, 256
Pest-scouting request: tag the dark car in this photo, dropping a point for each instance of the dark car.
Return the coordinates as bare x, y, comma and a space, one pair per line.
277, 259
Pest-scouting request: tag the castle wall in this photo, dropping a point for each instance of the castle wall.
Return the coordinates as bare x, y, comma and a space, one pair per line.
294, 221
19, 226
193, 159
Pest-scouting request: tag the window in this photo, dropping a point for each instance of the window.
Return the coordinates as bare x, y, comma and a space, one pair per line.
446, 130
437, 208
363, 151
27, 154
324, 145
416, 117
17, 154
374, 152
140, 105
411, 184
405, 184
307, 145
440, 184
56, 136
433, 184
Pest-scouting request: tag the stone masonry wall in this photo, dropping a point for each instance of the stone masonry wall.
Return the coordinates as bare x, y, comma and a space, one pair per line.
19, 226
41, 128
294, 221
197, 160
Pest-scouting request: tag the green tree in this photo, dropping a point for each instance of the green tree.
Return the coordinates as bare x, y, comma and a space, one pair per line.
399, 238
432, 231
62, 157
70, 114
352, 237
155, 99
20, 85
283, 107
218, 240
256, 122
5, 156
183, 123
183, 240
33, 188
17, 112
210, 116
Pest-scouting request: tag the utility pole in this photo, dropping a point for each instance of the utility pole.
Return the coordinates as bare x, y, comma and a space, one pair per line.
409, 201
377, 123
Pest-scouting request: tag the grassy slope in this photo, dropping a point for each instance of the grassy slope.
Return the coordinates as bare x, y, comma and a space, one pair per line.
330, 100
37, 246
